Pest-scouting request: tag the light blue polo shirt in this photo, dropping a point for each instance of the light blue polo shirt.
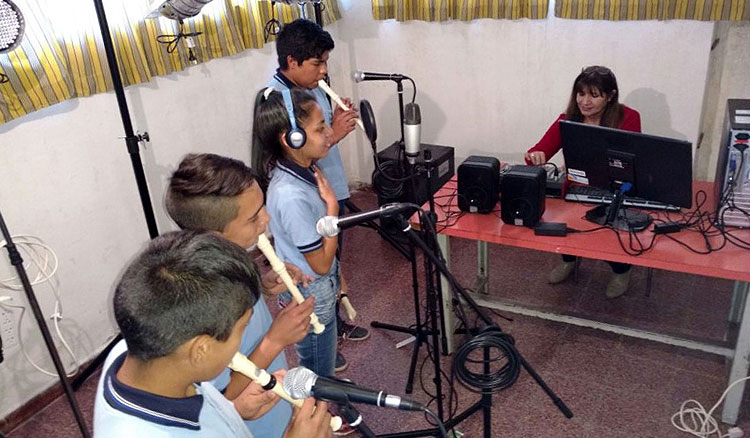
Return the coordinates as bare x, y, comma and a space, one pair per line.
332, 165
294, 204
274, 423
123, 411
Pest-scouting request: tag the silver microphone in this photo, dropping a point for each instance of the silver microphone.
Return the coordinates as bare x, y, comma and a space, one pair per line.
329, 226
412, 131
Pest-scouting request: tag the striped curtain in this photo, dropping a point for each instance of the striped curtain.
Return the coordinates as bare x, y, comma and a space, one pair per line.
464, 10
61, 55
704, 10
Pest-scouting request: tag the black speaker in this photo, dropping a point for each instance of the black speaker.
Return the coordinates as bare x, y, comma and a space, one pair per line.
478, 184
522, 195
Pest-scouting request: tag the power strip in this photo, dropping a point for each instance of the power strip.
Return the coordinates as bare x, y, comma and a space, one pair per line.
8, 325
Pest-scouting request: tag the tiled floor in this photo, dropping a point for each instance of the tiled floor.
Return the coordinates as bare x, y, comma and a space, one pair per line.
616, 386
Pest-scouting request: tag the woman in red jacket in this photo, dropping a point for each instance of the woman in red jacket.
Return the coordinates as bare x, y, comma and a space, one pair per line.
594, 100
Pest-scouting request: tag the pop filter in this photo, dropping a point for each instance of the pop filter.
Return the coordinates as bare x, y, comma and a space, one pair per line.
368, 119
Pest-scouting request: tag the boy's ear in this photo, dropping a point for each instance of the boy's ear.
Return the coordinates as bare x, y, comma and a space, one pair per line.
200, 349
291, 62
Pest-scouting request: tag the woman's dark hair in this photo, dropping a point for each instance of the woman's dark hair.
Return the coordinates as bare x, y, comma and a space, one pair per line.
302, 39
184, 284
597, 79
272, 120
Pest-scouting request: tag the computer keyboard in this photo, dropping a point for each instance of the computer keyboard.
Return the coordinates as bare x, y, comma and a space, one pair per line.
593, 195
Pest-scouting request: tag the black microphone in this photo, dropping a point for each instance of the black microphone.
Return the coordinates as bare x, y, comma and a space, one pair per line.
329, 226
412, 131
300, 383
360, 76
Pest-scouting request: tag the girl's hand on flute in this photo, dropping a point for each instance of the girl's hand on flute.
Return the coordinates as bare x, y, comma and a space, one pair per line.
309, 423
254, 402
291, 324
274, 285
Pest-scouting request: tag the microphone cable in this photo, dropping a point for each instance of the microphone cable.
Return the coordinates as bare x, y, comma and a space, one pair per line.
273, 26
172, 41
507, 358
489, 337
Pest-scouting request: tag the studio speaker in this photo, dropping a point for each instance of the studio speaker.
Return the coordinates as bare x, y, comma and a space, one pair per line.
522, 195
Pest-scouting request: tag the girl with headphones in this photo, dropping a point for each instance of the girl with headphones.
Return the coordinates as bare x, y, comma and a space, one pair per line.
292, 131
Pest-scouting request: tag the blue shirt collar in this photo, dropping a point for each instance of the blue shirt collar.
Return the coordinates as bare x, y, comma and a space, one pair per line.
284, 80
306, 174
177, 412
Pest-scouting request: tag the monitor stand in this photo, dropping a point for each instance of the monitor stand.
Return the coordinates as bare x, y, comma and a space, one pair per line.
625, 219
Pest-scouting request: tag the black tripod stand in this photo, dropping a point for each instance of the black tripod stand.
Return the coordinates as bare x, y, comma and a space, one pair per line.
132, 142
487, 339
17, 261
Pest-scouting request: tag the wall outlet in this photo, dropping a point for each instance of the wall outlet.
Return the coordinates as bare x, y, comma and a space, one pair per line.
8, 328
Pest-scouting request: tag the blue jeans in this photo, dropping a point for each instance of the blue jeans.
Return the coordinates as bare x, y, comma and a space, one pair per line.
318, 351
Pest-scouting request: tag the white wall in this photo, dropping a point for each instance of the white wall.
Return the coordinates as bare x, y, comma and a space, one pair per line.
485, 87
66, 176
492, 87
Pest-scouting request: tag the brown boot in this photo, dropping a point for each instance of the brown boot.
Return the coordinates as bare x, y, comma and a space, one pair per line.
561, 272
618, 285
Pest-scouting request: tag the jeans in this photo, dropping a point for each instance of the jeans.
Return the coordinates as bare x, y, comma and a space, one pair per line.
617, 268
318, 351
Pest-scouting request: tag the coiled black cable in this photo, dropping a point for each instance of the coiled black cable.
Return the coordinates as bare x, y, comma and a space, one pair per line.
506, 356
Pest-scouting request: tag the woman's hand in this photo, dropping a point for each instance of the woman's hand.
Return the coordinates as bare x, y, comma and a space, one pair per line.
536, 158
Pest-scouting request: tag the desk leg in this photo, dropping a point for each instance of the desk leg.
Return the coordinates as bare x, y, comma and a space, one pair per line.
741, 358
444, 243
738, 301
480, 285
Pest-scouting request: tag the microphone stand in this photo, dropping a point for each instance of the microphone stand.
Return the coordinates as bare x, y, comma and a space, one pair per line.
132, 142
17, 261
354, 419
485, 402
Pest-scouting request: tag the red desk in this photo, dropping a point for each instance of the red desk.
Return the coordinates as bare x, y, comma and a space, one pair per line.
730, 263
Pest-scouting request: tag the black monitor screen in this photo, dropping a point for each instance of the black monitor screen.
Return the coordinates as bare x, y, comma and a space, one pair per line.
659, 168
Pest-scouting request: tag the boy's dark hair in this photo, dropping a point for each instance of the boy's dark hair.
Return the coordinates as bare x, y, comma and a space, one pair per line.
202, 191
303, 39
272, 119
184, 284
601, 79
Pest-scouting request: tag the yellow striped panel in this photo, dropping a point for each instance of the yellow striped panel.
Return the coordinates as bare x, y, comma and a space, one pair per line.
705, 10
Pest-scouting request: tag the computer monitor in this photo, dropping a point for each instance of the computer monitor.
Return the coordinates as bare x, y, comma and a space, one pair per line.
659, 169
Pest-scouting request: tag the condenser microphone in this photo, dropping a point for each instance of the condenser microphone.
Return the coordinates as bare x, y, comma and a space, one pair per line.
300, 382
412, 131
360, 76
329, 226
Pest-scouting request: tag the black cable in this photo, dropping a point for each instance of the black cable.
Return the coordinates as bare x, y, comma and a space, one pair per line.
557, 169
494, 381
414, 88
172, 41
440, 424
273, 26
